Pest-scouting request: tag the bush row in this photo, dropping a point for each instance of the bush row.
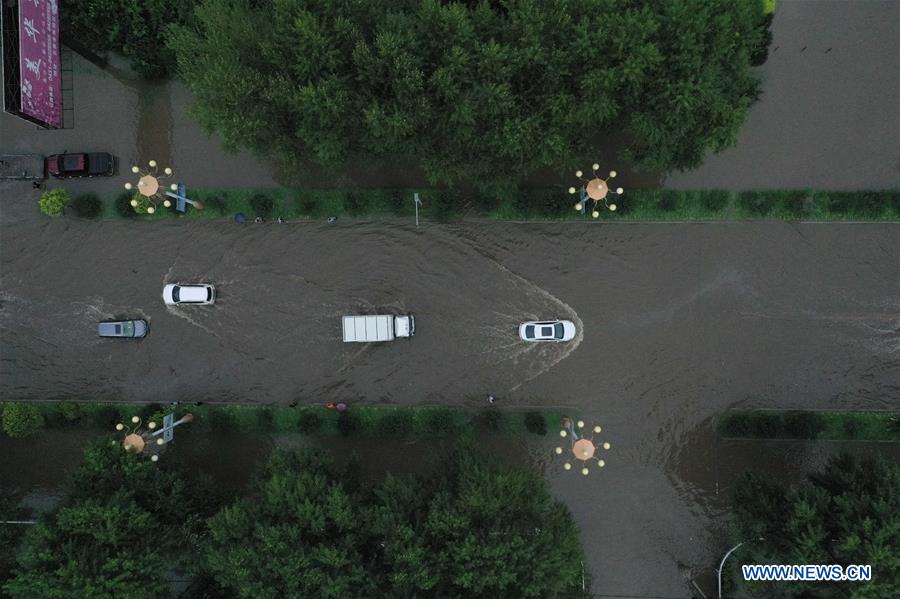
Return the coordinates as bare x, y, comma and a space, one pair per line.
526, 204
836, 426
22, 419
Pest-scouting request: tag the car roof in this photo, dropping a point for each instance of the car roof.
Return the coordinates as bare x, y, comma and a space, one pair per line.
192, 293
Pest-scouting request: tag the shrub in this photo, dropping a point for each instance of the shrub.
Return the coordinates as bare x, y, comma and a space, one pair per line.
397, 201
852, 426
802, 425
346, 424
123, 205
714, 200
396, 422
794, 203
668, 200
490, 419
262, 205
755, 203
104, 416
265, 418
308, 422
216, 203
53, 202
765, 425
540, 202
143, 203
865, 204
440, 420
446, 205
356, 203
308, 205
21, 419
88, 206
69, 411
221, 420
535, 423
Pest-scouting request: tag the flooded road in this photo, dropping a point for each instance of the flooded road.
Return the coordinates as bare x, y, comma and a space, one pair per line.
792, 314
676, 323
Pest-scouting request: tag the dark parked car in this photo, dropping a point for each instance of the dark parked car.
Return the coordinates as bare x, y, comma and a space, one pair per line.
123, 328
94, 164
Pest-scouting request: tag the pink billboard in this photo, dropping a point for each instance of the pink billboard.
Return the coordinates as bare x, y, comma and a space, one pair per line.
39, 61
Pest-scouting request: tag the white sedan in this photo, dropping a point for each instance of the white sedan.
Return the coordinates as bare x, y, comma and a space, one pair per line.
551, 330
178, 293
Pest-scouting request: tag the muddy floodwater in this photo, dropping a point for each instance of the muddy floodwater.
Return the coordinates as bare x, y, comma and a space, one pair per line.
676, 323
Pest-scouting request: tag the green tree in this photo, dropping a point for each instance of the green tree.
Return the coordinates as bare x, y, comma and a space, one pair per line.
135, 28
124, 523
10, 534
301, 535
849, 513
90, 549
481, 92
53, 202
476, 529
21, 419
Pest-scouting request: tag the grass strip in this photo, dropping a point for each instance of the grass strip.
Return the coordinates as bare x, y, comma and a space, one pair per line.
445, 205
813, 425
381, 421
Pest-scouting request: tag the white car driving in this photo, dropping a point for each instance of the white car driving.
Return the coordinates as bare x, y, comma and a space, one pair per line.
549, 330
179, 293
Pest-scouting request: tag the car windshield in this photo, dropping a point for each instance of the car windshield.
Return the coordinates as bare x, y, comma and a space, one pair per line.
175, 294
529, 332
209, 295
559, 330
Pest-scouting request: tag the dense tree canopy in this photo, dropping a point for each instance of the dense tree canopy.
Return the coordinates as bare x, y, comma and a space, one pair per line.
135, 28
123, 525
475, 529
482, 92
849, 513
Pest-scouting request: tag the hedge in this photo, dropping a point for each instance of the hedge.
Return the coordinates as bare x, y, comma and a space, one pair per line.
381, 421
445, 205
806, 424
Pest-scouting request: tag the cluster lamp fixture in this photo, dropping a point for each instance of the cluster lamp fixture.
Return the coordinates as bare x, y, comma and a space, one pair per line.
150, 185
596, 190
583, 448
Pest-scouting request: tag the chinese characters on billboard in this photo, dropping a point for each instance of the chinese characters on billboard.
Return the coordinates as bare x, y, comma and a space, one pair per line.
39, 61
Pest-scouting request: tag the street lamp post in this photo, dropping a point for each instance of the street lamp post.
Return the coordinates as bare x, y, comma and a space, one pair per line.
722, 563
583, 448
597, 189
151, 187
140, 442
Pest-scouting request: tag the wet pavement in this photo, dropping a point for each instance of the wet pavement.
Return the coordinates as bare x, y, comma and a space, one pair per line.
676, 323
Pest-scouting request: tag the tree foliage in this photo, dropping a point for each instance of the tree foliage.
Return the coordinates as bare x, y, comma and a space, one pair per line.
849, 513
53, 202
135, 28
21, 419
123, 524
475, 529
481, 92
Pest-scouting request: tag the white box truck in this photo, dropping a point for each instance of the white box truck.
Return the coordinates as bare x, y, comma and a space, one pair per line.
383, 327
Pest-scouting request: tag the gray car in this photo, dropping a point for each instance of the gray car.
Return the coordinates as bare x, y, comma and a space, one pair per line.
122, 328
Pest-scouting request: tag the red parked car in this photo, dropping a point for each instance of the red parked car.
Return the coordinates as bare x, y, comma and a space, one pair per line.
95, 164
